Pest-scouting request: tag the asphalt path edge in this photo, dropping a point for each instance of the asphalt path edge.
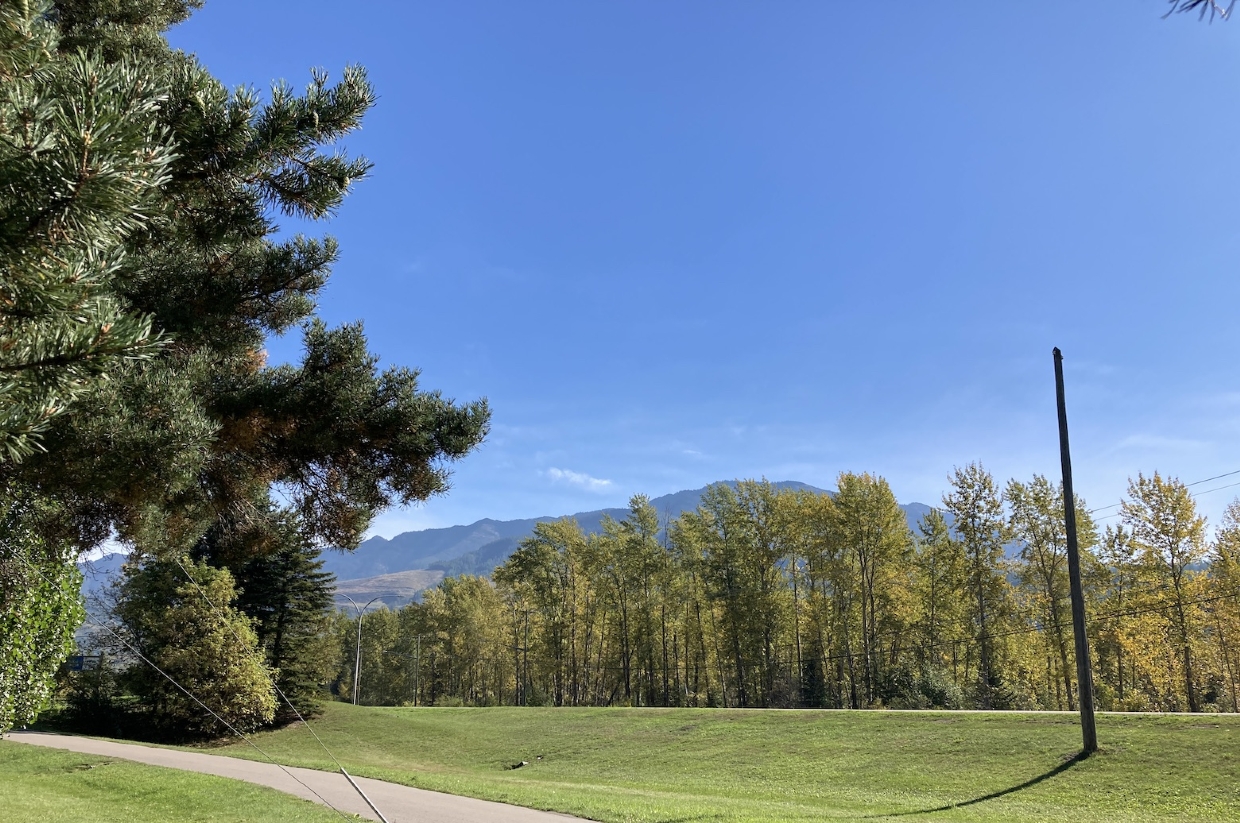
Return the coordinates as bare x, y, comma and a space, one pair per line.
399, 803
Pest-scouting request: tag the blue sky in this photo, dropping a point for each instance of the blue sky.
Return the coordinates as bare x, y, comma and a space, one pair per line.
677, 243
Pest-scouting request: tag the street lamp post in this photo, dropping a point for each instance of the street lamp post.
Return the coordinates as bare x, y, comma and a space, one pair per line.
357, 663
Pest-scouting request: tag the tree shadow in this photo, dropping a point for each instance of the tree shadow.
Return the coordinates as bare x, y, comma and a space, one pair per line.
1061, 768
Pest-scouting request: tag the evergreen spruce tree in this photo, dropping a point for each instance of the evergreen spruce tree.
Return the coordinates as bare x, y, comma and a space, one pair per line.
82, 161
289, 597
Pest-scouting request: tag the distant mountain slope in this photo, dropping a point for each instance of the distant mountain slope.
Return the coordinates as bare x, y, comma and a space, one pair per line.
402, 567
395, 589
480, 547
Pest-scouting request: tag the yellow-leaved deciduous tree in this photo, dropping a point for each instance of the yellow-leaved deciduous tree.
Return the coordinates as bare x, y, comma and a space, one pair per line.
476, 666
794, 531
704, 682
1036, 521
831, 605
731, 544
769, 596
631, 568
873, 533
940, 591
977, 511
383, 678
1117, 639
1171, 538
1225, 603
191, 631
543, 578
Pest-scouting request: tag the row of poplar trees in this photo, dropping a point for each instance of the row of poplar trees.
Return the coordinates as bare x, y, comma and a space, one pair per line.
142, 269
765, 597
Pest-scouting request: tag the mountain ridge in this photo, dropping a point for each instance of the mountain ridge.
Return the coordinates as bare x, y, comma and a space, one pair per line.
400, 567
480, 546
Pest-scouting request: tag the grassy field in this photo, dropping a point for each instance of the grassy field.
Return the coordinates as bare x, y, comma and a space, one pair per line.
683, 765
62, 787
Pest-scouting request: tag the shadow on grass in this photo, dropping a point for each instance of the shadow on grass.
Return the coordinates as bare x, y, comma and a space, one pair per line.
1033, 781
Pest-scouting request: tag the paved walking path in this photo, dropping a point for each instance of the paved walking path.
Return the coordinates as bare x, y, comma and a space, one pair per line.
400, 804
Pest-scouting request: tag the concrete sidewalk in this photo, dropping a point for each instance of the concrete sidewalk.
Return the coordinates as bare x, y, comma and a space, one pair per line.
400, 804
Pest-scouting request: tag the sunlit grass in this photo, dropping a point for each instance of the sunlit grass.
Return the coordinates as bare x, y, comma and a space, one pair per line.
51, 786
722, 765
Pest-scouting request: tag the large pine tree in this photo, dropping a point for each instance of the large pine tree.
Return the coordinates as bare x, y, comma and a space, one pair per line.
82, 159
198, 437
201, 433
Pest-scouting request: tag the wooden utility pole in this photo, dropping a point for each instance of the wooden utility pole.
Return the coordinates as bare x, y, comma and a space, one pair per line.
1084, 676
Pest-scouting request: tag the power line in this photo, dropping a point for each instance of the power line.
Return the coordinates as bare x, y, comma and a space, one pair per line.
274, 685
1220, 488
1186, 485
192, 697
1215, 477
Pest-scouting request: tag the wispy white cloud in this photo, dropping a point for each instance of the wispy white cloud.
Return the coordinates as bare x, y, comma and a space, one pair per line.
585, 481
1151, 441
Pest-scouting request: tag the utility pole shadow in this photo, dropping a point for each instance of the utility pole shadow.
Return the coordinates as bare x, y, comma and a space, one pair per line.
1060, 769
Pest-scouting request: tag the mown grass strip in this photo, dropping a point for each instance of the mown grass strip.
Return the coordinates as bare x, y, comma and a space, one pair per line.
665, 765
51, 786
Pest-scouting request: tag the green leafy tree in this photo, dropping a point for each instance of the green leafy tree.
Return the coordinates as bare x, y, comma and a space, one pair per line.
541, 575
40, 606
1225, 576
941, 592
732, 535
631, 564
873, 531
767, 597
192, 631
1118, 554
477, 664
385, 678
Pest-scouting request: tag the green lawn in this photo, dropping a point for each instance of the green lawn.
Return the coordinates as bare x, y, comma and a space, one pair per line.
682, 765
50, 786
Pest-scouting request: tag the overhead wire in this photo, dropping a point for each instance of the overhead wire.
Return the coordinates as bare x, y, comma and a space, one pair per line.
133, 650
283, 696
1186, 485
